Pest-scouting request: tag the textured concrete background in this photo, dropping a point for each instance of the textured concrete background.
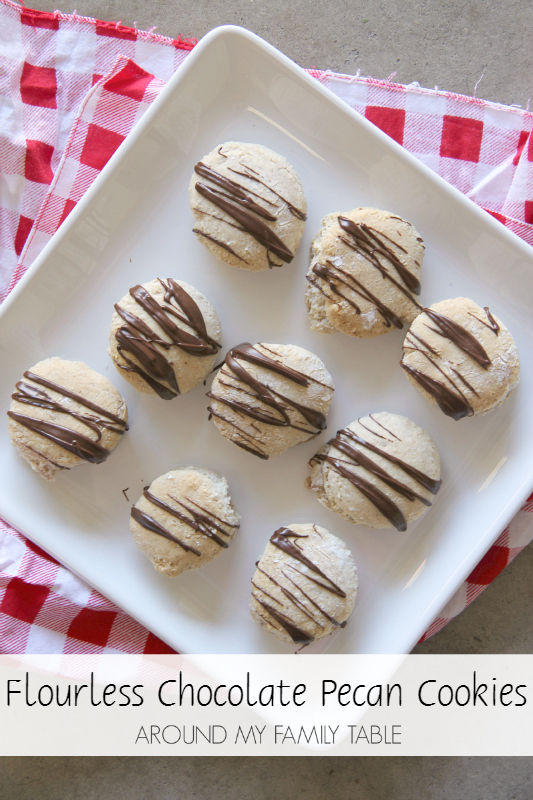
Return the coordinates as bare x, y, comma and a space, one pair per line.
450, 44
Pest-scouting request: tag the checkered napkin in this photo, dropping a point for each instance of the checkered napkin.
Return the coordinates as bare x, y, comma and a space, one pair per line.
71, 89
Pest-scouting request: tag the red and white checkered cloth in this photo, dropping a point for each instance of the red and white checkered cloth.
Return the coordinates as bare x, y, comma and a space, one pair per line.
71, 89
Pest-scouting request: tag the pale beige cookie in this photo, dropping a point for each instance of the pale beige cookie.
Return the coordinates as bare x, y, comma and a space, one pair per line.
249, 206
269, 397
184, 519
305, 584
381, 471
461, 357
63, 413
364, 273
164, 337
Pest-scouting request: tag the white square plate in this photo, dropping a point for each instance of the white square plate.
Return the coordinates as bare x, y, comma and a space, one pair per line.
135, 224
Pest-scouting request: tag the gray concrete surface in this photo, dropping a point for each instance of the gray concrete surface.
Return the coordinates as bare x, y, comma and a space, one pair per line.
452, 44
267, 779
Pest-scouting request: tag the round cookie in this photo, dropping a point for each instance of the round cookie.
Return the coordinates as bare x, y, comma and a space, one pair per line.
381, 471
183, 520
269, 397
249, 206
364, 273
305, 584
164, 337
62, 414
461, 357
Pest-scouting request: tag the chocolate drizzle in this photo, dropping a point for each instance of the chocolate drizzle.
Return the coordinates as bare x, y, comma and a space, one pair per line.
343, 442
137, 339
284, 539
273, 409
250, 224
375, 248
459, 336
490, 322
238, 195
369, 243
454, 405
452, 401
252, 175
223, 245
200, 520
334, 275
76, 443
241, 204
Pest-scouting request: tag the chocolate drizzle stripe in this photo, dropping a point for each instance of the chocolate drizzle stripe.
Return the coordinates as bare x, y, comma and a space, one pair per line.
252, 225
464, 381
199, 522
422, 342
293, 599
313, 603
246, 436
281, 539
375, 421
330, 273
361, 460
31, 376
431, 484
271, 596
70, 440
300, 605
235, 190
366, 241
378, 499
137, 339
460, 337
150, 524
452, 404
294, 211
491, 323
275, 412
31, 395
220, 244
445, 375
58, 466
297, 635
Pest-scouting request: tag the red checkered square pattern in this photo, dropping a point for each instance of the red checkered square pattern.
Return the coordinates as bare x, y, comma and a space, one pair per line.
56, 56
83, 85
461, 138
390, 120
38, 165
99, 146
38, 86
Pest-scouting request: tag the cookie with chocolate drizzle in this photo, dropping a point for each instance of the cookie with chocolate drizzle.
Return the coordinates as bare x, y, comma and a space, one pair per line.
380, 471
164, 337
364, 276
461, 357
249, 206
184, 519
63, 414
269, 397
305, 584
